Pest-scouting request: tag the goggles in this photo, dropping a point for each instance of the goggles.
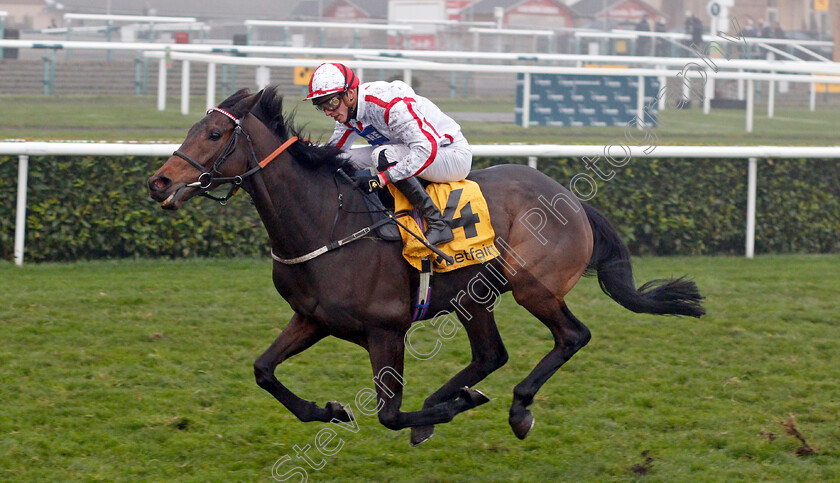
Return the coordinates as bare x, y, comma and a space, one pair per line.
330, 104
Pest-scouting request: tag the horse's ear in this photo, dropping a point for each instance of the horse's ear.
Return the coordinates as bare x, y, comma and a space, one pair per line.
245, 105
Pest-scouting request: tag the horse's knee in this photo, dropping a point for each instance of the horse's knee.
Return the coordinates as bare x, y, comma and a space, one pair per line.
264, 374
501, 358
575, 334
582, 337
586, 336
487, 364
390, 420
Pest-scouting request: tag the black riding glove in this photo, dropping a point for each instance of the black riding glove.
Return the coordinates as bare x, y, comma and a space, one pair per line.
368, 184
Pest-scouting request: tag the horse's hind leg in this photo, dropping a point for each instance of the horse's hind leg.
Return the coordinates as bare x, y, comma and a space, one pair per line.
488, 354
387, 351
569, 336
297, 336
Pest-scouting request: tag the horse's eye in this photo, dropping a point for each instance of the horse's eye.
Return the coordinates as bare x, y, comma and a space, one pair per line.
215, 135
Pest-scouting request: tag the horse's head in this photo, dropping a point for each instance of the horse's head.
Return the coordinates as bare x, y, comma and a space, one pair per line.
208, 156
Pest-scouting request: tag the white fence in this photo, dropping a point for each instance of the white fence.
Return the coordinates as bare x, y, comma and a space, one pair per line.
746, 72
532, 152
442, 55
693, 68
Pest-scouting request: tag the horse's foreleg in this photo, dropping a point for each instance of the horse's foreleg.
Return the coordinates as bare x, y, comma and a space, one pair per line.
387, 356
299, 335
488, 354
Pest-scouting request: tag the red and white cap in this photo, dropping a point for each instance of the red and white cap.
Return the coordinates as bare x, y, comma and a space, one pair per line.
330, 78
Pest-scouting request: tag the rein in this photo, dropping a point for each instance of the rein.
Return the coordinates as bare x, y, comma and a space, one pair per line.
331, 245
207, 179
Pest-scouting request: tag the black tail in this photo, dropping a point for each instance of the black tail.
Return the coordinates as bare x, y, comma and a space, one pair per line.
611, 260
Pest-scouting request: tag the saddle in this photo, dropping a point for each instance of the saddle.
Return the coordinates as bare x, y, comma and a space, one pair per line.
461, 203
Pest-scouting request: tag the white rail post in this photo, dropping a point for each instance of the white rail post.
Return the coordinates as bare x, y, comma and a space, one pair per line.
708, 93
162, 85
640, 102
532, 162
20, 216
662, 84
771, 97
814, 96
407, 76
752, 175
262, 77
185, 87
740, 87
526, 99
771, 89
662, 94
750, 103
211, 85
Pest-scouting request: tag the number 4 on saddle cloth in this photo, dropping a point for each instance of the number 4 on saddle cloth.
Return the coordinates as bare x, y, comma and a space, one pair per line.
465, 209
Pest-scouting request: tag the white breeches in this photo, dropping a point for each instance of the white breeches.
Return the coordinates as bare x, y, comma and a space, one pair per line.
452, 162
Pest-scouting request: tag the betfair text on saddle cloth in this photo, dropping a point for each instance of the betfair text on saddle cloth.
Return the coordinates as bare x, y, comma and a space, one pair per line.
408, 137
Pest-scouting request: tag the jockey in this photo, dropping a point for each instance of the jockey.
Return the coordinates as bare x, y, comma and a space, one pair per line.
409, 136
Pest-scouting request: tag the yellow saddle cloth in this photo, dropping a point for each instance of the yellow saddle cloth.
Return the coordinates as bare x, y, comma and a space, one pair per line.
466, 211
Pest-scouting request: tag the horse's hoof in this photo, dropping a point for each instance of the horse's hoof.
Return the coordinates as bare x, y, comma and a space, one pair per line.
473, 396
337, 412
421, 434
522, 426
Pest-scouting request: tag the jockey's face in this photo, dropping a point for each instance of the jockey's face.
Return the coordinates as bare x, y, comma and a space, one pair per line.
342, 112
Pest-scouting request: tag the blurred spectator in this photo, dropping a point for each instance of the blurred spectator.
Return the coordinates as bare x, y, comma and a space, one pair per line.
694, 28
643, 42
777, 31
749, 29
661, 44
764, 30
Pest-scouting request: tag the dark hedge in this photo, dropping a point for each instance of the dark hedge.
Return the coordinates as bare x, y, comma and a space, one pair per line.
98, 207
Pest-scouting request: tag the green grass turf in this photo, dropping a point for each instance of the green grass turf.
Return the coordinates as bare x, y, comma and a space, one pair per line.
142, 371
42, 118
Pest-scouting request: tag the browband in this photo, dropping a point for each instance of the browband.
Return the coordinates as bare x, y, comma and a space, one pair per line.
229, 115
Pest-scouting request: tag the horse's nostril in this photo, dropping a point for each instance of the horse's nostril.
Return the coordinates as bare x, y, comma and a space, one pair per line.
159, 183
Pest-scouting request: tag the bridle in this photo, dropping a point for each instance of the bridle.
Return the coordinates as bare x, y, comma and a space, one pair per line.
208, 178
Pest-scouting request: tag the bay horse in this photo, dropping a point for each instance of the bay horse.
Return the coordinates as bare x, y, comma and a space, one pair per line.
362, 292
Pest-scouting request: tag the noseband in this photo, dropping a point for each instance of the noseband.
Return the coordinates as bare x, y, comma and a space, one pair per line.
207, 179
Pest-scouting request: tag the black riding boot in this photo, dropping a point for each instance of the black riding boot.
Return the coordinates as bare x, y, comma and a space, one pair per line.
437, 230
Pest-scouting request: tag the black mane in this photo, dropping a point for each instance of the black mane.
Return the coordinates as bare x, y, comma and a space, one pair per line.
270, 111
